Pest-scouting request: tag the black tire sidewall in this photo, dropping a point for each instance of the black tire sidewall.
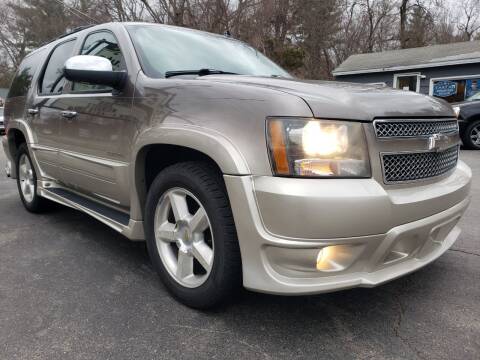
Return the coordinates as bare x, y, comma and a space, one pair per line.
220, 280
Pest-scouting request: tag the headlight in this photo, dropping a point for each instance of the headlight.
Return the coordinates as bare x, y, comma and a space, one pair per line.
456, 109
317, 148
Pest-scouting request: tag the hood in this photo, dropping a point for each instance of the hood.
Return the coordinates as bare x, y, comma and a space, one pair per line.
349, 101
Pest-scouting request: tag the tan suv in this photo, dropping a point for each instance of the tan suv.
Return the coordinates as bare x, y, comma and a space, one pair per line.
232, 170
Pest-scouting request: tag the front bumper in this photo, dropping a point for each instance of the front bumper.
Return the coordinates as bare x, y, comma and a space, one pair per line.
372, 234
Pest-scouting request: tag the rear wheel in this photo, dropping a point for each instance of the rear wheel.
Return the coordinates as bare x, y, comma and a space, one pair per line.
471, 136
27, 182
191, 235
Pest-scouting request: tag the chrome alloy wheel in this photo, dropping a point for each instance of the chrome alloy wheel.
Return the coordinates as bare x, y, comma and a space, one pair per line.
184, 237
27, 180
475, 135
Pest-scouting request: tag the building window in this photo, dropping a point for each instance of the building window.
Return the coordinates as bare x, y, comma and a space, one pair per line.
455, 89
408, 82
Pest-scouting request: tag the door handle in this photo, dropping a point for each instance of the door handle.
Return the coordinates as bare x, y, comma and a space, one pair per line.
33, 111
69, 114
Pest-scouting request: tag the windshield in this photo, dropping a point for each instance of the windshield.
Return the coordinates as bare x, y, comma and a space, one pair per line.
164, 48
474, 97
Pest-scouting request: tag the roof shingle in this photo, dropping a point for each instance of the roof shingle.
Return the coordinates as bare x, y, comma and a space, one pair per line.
429, 56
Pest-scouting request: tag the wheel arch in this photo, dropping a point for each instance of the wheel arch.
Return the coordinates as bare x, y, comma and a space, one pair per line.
15, 138
164, 147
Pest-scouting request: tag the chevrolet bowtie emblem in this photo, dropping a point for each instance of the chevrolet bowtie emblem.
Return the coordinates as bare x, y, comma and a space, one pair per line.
437, 142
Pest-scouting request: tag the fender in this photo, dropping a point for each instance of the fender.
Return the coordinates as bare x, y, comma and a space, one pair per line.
470, 112
22, 126
207, 141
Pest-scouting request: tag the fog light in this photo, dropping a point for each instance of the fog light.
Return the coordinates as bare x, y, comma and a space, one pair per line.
337, 258
325, 259
314, 261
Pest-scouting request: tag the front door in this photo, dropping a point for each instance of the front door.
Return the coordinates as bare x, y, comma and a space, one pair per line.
97, 131
45, 110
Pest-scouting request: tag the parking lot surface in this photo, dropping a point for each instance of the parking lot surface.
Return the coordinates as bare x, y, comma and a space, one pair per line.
71, 288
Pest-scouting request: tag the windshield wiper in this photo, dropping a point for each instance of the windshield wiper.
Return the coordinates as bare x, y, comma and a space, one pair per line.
201, 72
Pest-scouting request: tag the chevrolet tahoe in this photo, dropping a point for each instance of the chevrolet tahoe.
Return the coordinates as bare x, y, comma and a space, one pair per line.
233, 171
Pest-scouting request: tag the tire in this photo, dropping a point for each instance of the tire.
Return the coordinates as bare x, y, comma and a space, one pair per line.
472, 130
30, 199
215, 275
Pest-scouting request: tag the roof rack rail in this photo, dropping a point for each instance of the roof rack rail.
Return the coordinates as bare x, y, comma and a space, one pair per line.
73, 31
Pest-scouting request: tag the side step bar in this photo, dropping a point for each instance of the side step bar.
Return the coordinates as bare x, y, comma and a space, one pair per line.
109, 213
117, 220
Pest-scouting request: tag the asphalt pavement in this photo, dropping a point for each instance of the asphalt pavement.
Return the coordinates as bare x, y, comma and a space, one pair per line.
71, 288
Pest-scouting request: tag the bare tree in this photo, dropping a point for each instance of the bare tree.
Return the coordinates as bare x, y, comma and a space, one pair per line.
470, 10
376, 12
307, 37
403, 22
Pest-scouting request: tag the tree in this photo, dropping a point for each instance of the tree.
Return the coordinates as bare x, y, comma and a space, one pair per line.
470, 9
307, 37
420, 27
376, 12
42, 20
318, 22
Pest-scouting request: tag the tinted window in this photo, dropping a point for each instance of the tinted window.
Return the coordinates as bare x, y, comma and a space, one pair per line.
23, 78
53, 80
102, 44
163, 49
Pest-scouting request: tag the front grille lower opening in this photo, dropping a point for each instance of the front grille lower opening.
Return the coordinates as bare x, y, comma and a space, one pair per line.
405, 167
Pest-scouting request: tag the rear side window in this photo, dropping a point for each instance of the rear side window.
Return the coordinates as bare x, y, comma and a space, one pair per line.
23, 78
53, 79
103, 44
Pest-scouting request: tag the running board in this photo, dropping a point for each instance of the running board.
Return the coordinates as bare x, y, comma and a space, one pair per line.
102, 210
117, 220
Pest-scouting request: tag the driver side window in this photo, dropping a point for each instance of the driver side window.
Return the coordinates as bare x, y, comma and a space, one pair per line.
53, 80
104, 44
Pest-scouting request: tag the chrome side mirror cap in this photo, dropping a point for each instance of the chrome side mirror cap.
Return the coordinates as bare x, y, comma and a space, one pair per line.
94, 70
88, 63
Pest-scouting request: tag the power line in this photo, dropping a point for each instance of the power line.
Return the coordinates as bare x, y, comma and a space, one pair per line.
76, 11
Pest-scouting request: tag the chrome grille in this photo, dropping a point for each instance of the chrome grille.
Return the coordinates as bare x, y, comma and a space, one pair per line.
418, 165
412, 128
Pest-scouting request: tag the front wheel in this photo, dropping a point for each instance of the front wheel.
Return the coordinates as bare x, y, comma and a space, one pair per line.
471, 136
191, 236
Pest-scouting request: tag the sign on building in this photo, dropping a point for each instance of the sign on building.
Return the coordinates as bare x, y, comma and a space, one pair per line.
444, 88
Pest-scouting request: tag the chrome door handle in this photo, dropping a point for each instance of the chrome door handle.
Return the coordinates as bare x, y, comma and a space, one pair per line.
33, 111
69, 114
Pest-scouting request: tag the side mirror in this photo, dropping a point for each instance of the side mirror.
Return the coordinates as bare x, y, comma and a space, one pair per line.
94, 70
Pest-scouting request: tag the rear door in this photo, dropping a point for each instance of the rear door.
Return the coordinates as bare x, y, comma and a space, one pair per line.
45, 108
97, 136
